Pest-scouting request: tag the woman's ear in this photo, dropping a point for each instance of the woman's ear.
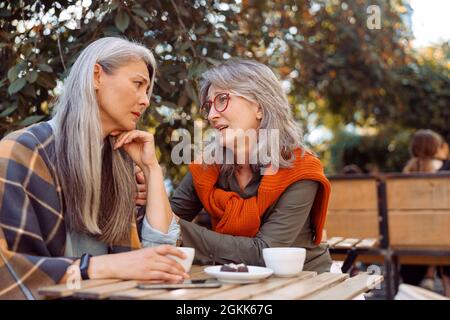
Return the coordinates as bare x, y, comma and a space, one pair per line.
97, 75
259, 113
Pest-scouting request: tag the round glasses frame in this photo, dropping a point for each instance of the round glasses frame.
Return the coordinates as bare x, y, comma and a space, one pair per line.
206, 106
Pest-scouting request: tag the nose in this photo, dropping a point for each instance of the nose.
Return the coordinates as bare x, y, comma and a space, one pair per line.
144, 100
213, 114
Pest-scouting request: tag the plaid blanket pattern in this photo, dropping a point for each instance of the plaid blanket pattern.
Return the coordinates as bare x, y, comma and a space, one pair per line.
32, 228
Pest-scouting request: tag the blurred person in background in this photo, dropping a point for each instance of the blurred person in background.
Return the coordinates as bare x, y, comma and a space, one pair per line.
429, 154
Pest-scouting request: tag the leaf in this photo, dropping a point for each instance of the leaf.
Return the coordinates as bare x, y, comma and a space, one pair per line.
142, 12
164, 85
27, 50
214, 62
30, 120
29, 92
8, 111
201, 30
169, 104
192, 93
183, 11
296, 45
6, 35
13, 73
140, 22
212, 39
16, 86
122, 21
32, 76
5, 13
46, 80
45, 67
114, 5
197, 69
184, 46
3, 82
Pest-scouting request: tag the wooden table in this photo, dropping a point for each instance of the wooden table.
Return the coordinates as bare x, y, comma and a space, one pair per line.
307, 285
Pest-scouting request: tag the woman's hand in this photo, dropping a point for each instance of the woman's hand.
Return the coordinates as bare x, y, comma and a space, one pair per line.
142, 264
141, 194
140, 146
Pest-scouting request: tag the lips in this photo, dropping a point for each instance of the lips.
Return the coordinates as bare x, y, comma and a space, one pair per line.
220, 127
137, 114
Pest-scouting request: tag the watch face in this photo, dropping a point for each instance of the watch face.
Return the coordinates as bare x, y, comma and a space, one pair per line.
84, 266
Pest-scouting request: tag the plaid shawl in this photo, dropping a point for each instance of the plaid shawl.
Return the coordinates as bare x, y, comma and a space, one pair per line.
32, 228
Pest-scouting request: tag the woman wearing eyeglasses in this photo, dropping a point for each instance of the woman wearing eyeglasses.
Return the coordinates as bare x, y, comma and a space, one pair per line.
252, 204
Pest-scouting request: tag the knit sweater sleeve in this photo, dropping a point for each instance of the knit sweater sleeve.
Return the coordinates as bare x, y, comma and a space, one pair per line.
185, 202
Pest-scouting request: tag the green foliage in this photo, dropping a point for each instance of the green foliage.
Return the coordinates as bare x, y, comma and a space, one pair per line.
336, 69
385, 150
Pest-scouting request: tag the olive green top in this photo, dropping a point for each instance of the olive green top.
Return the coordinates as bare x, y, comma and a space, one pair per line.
285, 224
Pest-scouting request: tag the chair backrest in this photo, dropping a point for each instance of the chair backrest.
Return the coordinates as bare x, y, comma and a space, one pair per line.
418, 209
353, 207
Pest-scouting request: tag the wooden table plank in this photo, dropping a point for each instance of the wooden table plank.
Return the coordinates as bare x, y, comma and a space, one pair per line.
347, 243
367, 243
307, 285
303, 288
190, 294
105, 291
247, 291
63, 290
334, 240
197, 272
349, 289
135, 294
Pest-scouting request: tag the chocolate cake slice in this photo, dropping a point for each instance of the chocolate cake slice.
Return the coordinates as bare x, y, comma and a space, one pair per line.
231, 267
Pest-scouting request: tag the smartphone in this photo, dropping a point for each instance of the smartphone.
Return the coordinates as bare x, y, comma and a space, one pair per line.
194, 283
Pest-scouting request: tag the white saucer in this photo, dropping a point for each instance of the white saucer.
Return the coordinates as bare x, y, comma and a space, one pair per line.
254, 274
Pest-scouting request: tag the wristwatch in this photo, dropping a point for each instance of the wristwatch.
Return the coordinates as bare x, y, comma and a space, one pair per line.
84, 265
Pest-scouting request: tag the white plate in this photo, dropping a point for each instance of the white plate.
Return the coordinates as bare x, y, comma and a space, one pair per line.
254, 274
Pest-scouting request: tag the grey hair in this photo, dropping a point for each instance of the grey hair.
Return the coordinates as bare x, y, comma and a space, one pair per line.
257, 82
97, 182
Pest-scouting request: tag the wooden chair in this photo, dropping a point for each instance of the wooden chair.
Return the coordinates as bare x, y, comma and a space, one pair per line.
419, 211
352, 210
356, 226
353, 220
419, 219
408, 214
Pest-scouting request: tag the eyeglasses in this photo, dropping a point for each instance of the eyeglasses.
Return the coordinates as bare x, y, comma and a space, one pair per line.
220, 103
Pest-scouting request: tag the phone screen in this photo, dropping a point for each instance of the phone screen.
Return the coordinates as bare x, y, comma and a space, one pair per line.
194, 283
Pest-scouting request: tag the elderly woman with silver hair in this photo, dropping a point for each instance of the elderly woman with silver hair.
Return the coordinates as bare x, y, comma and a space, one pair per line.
67, 186
259, 204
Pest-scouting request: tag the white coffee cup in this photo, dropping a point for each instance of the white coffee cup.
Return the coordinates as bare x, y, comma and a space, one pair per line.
186, 262
285, 261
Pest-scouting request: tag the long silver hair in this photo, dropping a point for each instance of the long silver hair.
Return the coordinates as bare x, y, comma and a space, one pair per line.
257, 82
97, 182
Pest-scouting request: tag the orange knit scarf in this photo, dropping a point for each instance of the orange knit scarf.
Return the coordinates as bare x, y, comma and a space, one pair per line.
230, 214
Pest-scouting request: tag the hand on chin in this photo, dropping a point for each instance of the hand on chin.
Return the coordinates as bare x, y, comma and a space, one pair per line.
117, 132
